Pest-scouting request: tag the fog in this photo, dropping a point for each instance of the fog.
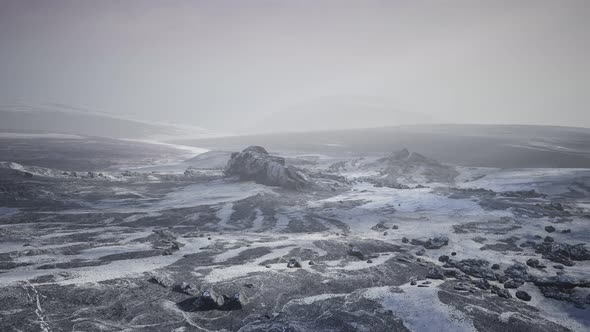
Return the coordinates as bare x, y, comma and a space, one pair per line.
264, 66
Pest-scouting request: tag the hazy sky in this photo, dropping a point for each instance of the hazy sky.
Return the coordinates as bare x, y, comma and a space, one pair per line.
227, 65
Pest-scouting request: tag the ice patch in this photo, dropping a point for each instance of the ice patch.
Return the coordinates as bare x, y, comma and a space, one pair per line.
420, 309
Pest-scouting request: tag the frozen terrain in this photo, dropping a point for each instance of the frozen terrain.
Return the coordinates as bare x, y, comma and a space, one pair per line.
162, 240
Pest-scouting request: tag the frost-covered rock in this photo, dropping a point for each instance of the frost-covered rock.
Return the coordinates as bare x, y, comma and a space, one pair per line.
255, 164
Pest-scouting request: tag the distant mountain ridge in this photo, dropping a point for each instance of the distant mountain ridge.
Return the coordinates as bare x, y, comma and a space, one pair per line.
65, 119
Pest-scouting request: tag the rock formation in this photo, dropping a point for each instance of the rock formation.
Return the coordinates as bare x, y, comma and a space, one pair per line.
256, 164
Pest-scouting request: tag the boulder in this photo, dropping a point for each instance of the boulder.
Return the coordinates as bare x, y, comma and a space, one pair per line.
517, 271
356, 252
563, 253
513, 283
522, 295
294, 262
434, 243
255, 164
474, 267
435, 273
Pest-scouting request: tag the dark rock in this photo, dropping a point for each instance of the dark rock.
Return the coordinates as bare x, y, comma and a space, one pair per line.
513, 283
369, 261
482, 284
453, 253
451, 273
517, 271
443, 258
549, 229
160, 280
434, 243
405, 240
356, 252
561, 281
548, 239
420, 252
563, 253
435, 273
233, 303
474, 267
255, 164
522, 295
533, 262
311, 263
293, 263
565, 231
394, 227
501, 278
185, 288
380, 227
501, 292
495, 266
558, 267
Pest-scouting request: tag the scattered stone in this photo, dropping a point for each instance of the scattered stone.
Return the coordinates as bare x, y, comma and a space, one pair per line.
517, 271
443, 258
522, 295
369, 261
501, 292
356, 252
209, 300
435, 273
421, 252
249, 285
422, 285
293, 263
563, 253
482, 284
533, 262
405, 240
453, 253
548, 239
233, 303
267, 266
433, 243
384, 233
311, 263
394, 227
379, 227
501, 278
561, 281
184, 287
513, 283
558, 267
549, 229
160, 280
474, 267
565, 231
495, 266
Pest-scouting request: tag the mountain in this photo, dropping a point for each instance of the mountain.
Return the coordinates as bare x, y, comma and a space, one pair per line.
65, 119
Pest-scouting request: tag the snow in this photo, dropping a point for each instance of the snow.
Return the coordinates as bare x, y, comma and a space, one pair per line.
420, 309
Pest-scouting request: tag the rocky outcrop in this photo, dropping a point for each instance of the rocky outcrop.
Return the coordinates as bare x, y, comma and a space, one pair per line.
256, 164
415, 167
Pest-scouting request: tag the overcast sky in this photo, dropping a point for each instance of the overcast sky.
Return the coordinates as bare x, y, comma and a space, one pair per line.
229, 65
